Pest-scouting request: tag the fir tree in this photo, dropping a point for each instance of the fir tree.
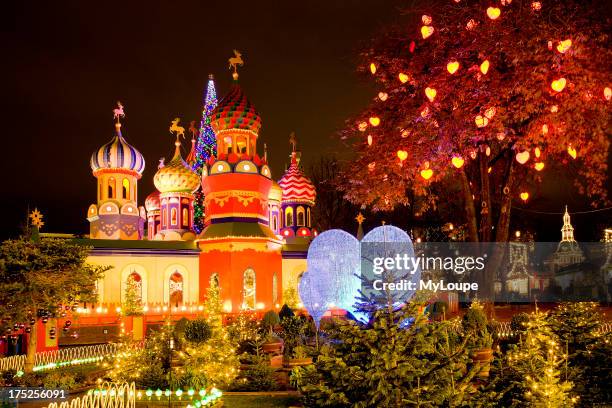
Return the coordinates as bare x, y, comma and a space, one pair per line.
132, 303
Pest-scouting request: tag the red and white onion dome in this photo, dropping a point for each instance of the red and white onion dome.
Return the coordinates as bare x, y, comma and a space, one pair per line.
152, 202
235, 112
176, 176
117, 155
296, 186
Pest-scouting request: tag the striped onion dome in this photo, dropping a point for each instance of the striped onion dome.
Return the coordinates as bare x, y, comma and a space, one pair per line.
276, 192
152, 202
296, 186
117, 154
176, 176
235, 112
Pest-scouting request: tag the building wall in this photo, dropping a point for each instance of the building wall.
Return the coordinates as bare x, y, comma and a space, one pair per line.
292, 269
155, 271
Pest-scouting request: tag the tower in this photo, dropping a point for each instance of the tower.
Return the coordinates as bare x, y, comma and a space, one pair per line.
117, 167
567, 231
240, 252
298, 199
176, 183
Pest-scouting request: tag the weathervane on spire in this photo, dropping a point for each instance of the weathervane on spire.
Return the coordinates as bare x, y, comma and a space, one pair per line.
118, 112
180, 131
293, 141
234, 62
192, 129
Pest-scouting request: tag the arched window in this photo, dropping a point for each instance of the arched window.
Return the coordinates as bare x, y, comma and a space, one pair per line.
100, 193
165, 218
214, 280
185, 217
308, 224
241, 144
111, 187
248, 289
126, 189
274, 223
274, 289
175, 288
288, 217
173, 214
228, 144
300, 216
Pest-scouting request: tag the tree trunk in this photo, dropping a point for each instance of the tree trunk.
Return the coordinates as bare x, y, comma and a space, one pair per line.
31, 351
470, 210
485, 199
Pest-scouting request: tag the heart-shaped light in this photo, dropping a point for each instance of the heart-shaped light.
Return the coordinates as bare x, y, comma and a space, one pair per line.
493, 12
558, 84
481, 121
536, 6
537, 152
524, 196
484, 67
362, 126
402, 155
374, 121
572, 152
607, 93
426, 19
457, 161
383, 96
431, 93
426, 173
545, 129
452, 67
405, 133
427, 31
539, 166
554, 109
373, 68
403, 77
522, 157
369, 140
564, 45
489, 113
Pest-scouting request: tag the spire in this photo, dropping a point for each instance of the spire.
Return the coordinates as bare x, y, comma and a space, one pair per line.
180, 132
360, 219
234, 62
191, 157
567, 231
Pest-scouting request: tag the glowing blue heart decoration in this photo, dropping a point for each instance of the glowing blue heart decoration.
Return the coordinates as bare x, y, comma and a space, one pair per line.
383, 242
332, 278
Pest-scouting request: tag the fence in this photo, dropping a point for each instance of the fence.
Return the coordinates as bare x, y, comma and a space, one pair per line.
109, 395
58, 358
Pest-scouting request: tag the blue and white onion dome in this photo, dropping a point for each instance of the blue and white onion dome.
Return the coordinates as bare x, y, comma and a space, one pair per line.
118, 155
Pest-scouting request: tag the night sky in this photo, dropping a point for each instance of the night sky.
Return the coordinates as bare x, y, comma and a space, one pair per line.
67, 63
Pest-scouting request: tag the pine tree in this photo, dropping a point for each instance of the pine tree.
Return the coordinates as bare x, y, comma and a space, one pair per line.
206, 147
132, 303
398, 360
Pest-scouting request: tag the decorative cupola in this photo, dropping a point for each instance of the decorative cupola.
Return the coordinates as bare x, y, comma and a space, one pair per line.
176, 182
153, 205
298, 198
117, 166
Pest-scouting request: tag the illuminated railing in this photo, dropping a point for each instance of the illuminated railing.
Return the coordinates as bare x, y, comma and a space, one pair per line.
109, 395
60, 358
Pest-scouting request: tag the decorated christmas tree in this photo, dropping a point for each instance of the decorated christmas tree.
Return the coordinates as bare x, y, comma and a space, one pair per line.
205, 148
132, 303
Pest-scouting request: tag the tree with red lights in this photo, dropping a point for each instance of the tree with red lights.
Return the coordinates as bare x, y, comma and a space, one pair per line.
479, 100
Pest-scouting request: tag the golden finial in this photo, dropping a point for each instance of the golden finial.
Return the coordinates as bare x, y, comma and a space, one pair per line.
293, 141
360, 218
180, 131
193, 130
36, 218
234, 62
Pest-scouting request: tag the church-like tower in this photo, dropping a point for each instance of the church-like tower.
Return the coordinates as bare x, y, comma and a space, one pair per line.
298, 199
240, 252
117, 166
176, 183
567, 231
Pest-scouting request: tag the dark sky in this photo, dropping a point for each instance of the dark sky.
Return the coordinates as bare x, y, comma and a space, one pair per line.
66, 63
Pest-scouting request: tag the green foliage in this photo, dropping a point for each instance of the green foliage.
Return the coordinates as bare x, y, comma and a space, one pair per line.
475, 326
256, 374
197, 331
292, 334
577, 325
518, 322
285, 311
270, 319
399, 360
291, 297
132, 303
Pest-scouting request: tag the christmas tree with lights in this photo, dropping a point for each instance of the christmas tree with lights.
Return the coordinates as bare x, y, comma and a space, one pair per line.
205, 148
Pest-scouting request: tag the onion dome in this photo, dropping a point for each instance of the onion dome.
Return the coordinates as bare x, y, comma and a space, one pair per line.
117, 155
296, 186
276, 192
176, 176
152, 202
235, 112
